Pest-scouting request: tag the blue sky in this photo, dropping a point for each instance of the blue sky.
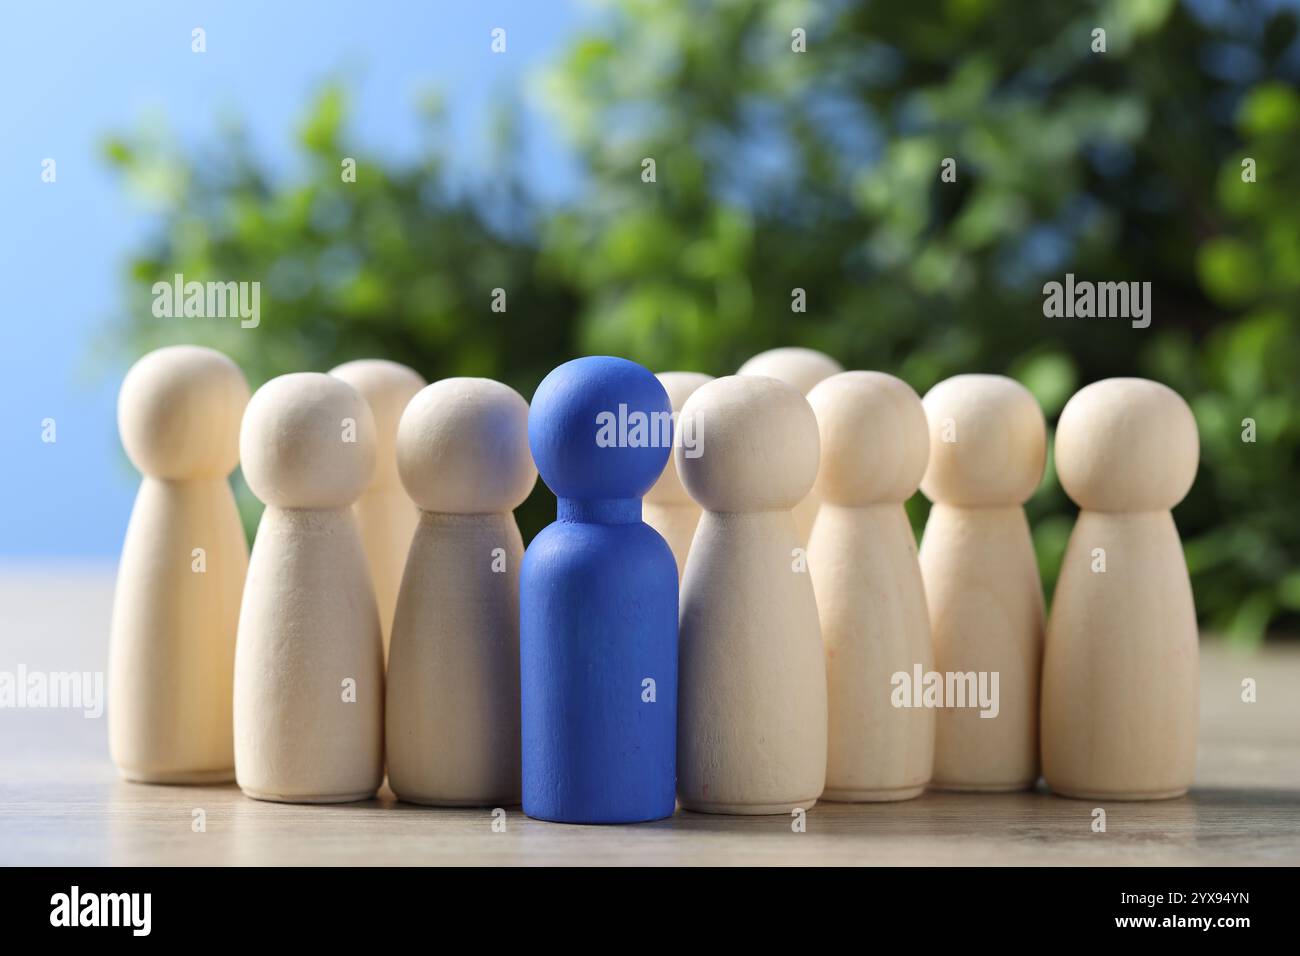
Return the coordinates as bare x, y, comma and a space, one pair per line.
72, 73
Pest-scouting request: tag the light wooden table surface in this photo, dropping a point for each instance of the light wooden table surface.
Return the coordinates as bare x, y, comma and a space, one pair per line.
61, 802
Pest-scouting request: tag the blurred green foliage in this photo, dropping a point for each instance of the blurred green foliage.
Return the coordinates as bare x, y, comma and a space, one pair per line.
777, 170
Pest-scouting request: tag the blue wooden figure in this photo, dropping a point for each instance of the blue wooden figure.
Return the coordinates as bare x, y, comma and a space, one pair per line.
598, 603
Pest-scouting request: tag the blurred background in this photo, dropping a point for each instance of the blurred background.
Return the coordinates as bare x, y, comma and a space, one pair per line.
521, 169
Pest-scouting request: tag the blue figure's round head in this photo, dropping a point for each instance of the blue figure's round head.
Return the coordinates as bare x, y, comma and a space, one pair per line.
600, 427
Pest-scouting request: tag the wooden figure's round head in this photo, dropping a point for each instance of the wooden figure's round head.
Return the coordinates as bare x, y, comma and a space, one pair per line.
1127, 444
387, 387
178, 413
988, 442
680, 386
462, 447
874, 438
756, 445
798, 367
600, 428
308, 441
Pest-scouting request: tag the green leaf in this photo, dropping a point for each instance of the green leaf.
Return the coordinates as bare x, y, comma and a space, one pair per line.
1051, 376
320, 130
1229, 270
1269, 108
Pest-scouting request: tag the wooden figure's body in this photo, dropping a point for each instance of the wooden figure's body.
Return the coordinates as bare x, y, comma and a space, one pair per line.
863, 560
386, 521
752, 738
452, 729
986, 609
308, 624
309, 668
668, 508
801, 369
452, 721
753, 682
988, 444
598, 604
1120, 680
386, 516
181, 574
874, 625
676, 524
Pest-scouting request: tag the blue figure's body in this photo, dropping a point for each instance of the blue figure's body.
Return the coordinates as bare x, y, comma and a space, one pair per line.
598, 604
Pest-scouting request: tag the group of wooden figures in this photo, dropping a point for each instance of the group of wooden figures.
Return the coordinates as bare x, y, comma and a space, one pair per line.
729, 613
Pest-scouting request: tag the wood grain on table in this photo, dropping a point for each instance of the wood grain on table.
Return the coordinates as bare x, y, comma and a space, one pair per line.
61, 802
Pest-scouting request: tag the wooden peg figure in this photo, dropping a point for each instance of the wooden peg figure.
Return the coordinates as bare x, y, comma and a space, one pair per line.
452, 732
1121, 669
176, 608
668, 508
988, 447
598, 603
309, 663
752, 738
386, 516
862, 556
